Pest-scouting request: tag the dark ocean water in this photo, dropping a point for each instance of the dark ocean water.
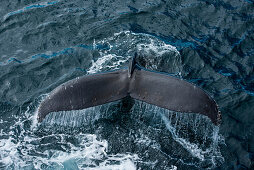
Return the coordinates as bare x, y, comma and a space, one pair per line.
46, 43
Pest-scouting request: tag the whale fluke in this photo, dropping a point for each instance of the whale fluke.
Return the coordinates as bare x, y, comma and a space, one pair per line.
152, 87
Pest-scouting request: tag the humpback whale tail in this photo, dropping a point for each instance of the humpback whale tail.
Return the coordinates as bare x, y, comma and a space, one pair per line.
152, 87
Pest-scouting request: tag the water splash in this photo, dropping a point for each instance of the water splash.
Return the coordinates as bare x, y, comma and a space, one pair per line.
60, 141
193, 132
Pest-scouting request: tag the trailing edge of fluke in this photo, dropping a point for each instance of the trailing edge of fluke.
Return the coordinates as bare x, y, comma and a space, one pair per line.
139, 83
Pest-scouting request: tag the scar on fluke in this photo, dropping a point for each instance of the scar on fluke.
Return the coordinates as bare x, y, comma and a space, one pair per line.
152, 87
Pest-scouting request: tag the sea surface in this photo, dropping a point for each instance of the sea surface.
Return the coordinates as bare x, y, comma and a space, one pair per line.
44, 43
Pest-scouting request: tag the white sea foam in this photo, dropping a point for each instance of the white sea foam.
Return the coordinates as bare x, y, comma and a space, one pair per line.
122, 47
85, 152
103, 63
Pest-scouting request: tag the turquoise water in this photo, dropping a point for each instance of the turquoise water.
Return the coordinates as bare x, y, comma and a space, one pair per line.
46, 43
